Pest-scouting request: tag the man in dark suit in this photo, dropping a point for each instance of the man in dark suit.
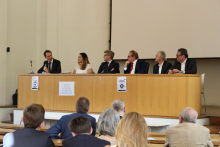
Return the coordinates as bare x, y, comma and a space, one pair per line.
183, 64
163, 66
119, 106
109, 66
135, 65
61, 126
51, 65
81, 129
29, 136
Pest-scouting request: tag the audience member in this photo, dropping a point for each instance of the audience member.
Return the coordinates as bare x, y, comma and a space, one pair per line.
135, 65
109, 66
119, 106
30, 136
83, 66
183, 64
162, 65
106, 125
82, 108
81, 129
51, 65
188, 133
132, 131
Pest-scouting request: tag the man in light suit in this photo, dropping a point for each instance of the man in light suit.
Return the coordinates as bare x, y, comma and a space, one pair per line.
30, 136
109, 66
135, 65
81, 130
51, 65
163, 66
183, 64
188, 133
119, 106
61, 126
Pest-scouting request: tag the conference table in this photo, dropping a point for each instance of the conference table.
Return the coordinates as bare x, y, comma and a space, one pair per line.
149, 94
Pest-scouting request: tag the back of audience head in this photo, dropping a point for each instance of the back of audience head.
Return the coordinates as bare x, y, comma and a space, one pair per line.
132, 131
33, 116
107, 122
188, 115
82, 105
119, 106
80, 125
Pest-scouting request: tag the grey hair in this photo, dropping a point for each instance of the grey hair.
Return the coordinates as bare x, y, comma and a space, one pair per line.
118, 105
163, 55
107, 122
189, 115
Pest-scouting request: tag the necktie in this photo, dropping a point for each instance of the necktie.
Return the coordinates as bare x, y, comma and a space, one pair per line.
131, 67
49, 66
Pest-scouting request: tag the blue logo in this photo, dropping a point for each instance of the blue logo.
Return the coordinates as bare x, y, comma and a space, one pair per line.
122, 86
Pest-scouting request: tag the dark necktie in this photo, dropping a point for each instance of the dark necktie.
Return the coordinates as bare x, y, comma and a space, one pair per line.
131, 67
49, 66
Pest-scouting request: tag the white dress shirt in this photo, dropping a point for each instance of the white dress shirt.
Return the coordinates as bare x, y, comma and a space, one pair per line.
183, 65
80, 71
160, 67
134, 65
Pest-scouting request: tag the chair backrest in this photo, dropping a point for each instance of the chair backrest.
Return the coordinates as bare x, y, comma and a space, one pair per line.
202, 80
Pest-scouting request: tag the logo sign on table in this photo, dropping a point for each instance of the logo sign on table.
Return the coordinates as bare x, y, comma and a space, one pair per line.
121, 84
35, 83
66, 88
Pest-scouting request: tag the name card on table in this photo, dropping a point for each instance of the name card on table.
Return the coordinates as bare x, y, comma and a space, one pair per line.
35, 83
66, 88
121, 84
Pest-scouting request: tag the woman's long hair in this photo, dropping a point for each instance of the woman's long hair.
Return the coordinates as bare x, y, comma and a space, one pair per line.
85, 61
132, 131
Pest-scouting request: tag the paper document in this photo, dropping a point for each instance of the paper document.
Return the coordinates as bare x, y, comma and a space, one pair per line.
66, 88
121, 84
35, 83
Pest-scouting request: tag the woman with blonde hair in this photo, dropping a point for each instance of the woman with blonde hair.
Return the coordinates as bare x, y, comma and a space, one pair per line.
132, 131
83, 66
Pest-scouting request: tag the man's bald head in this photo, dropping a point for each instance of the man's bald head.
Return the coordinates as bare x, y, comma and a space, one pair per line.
189, 115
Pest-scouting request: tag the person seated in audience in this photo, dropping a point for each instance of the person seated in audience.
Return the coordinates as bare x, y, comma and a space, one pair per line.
30, 136
183, 64
61, 126
109, 66
132, 131
162, 65
51, 65
83, 66
81, 130
119, 106
188, 133
106, 125
135, 65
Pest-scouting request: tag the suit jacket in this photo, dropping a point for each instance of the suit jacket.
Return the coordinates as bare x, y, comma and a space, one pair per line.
166, 66
56, 66
104, 68
61, 126
28, 137
140, 68
190, 67
84, 140
188, 135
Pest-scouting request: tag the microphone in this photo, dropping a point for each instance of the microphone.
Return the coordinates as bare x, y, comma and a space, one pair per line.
31, 68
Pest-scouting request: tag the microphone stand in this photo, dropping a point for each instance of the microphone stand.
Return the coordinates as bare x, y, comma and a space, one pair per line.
31, 68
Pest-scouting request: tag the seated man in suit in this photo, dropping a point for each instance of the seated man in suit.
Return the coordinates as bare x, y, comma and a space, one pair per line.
81, 130
61, 126
183, 64
135, 65
119, 106
51, 65
30, 136
163, 66
188, 133
109, 66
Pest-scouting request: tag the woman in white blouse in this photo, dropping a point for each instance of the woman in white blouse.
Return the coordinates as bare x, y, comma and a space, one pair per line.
83, 66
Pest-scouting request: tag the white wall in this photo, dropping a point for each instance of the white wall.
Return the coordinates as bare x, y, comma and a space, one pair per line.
3, 45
